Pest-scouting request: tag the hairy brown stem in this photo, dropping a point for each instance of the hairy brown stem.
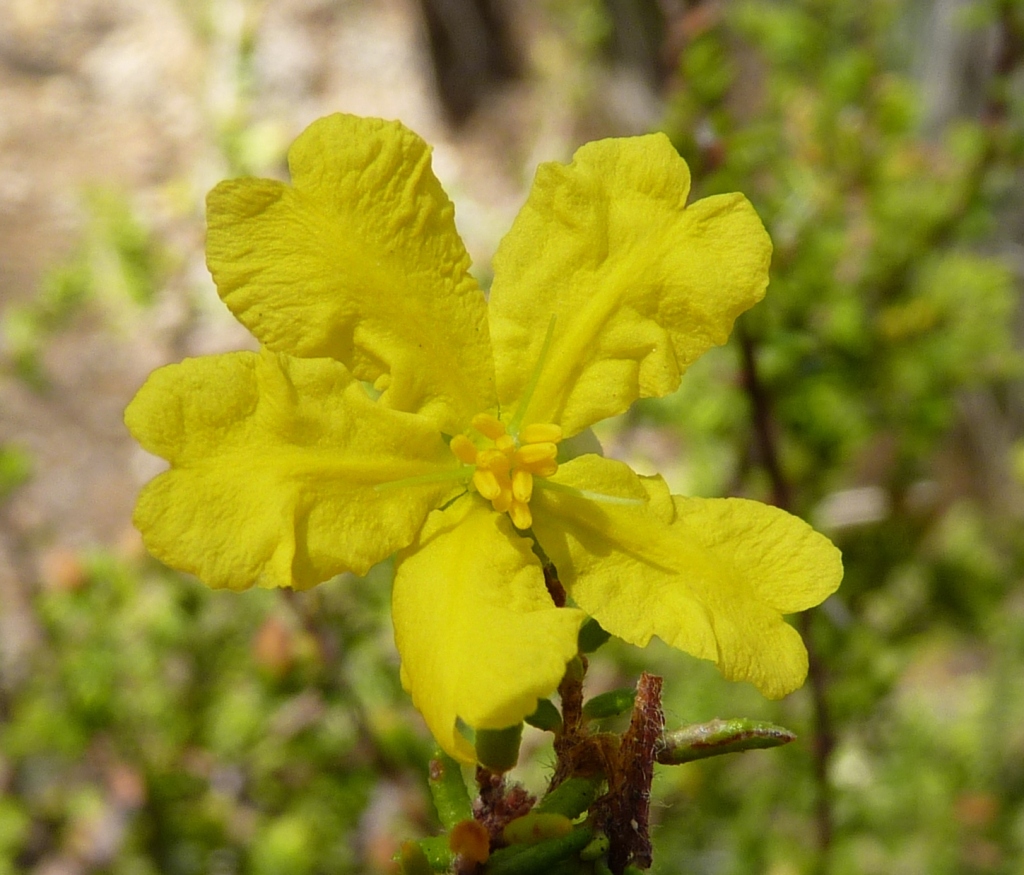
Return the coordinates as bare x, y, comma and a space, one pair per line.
627, 806
572, 738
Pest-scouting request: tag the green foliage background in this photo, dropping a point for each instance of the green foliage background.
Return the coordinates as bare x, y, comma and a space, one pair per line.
877, 392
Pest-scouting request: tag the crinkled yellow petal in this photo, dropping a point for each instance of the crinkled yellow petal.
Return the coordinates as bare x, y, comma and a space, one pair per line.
479, 636
712, 577
639, 284
358, 259
273, 466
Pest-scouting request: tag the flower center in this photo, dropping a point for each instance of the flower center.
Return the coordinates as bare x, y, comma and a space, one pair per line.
505, 469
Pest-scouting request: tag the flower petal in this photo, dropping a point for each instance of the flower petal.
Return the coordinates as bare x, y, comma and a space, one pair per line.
479, 636
709, 576
273, 466
358, 260
639, 286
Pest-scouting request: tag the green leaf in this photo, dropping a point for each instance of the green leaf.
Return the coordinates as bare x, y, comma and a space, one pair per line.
609, 704
546, 717
539, 858
701, 740
573, 796
448, 790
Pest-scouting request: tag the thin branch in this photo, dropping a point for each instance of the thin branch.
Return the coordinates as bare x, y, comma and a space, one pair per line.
823, 740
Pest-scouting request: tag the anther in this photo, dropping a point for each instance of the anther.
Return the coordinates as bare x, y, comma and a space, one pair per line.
505, 470
503, 501
519, 511
522, 485
487, 484
533, 453
489, 426
494, 460
543, 468
464, 449
541, 433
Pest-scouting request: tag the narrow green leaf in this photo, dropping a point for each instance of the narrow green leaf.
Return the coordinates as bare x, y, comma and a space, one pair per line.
597, 848
592, 636
412, 860
572, 797
716, 737
546, 717
537, 859
609, 704
448, 790
435, 849
535, 827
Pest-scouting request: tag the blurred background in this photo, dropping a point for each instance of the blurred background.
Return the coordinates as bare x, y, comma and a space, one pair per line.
148, 725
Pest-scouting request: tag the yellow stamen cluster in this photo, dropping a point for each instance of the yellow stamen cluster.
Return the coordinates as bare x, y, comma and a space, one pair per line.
505, 471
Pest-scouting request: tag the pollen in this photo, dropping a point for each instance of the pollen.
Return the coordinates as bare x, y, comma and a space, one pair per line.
507, 463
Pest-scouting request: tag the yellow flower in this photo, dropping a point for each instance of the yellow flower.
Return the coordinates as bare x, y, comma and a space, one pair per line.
285, 470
